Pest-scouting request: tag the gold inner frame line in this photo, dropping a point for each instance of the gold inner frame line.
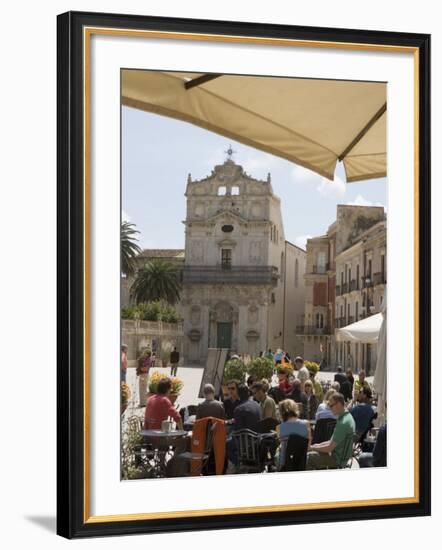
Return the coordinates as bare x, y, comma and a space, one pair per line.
87, 33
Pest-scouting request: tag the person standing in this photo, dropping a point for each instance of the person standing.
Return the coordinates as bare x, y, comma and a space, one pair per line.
174, 360
303, 374
123, 363
143, 367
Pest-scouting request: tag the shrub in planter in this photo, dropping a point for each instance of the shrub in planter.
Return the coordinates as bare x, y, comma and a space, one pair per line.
312, 366
234, 369
261, 367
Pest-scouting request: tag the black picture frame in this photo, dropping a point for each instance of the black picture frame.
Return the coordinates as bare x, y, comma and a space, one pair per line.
71, 520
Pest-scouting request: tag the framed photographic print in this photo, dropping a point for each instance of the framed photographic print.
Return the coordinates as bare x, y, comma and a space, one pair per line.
234, 200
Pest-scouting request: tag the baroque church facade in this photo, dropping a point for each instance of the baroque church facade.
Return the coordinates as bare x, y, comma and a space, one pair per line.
242, 282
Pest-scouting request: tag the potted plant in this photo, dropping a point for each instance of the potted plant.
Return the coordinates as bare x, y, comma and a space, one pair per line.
177, 386
154, 378
260, 368
125, 395
234, 369
285, 368
312, 366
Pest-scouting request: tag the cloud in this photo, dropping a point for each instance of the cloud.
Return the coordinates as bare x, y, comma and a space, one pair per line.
362, 201
299, 174
332, 189
301, 241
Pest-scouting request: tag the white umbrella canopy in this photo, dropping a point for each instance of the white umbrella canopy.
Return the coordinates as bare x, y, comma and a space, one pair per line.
365, 331
380, 375
311, 122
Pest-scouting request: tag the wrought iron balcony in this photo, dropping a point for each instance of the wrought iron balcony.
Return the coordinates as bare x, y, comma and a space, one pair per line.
338, 290
235, 274
379, 279
312, 330
353, 285
321, 268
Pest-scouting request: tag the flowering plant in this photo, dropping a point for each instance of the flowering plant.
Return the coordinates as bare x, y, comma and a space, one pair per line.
177, 384
154, 378
125, 393
284, 368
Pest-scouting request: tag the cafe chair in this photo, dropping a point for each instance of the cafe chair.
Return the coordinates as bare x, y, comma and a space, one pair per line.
323, 430
248, 446
296, 453
266, 425
198, 461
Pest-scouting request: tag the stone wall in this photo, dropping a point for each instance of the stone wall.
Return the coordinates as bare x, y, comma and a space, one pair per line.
138, 335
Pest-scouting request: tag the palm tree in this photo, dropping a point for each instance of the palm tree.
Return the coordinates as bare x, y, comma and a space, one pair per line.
129, 248
158, 280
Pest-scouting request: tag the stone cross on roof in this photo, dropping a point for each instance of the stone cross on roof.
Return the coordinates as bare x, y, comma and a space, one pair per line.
230, 152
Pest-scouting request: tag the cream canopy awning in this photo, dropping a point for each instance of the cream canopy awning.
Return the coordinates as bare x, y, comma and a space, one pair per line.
314, 123
365, 331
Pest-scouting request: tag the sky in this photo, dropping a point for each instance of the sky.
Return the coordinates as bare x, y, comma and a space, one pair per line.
158, 153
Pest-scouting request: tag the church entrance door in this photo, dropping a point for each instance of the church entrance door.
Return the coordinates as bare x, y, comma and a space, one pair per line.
224, 335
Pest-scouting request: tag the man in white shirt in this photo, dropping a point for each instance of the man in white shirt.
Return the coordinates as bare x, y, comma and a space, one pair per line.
303, 373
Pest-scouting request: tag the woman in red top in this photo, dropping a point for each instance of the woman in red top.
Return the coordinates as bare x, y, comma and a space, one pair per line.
159, 407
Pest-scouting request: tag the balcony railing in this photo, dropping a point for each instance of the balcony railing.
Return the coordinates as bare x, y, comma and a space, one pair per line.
338, 290
344, 288
379, 279
353, 285
321, 268
367, 281
312, 330
235, 274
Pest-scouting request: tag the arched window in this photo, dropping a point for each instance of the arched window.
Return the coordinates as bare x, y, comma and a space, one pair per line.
235, 191
221, 190
296, 273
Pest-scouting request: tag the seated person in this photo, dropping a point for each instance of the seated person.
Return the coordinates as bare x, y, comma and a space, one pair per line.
245, 416
363, 412
268, 405
233, 400
248, 413
250, 381
324, 410
378, 458
303, 373
347, 386
360, 383
340, 376
311, 402
338, 450
298, 395
210, 407
290, 425
159, 407
284, 385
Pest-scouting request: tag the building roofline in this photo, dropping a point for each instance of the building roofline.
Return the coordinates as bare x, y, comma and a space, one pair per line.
296, 246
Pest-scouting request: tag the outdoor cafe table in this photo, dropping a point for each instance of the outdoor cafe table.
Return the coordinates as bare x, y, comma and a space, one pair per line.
162, 441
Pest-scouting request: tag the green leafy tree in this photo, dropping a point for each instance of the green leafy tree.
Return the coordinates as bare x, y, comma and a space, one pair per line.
158, 280
129, 248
